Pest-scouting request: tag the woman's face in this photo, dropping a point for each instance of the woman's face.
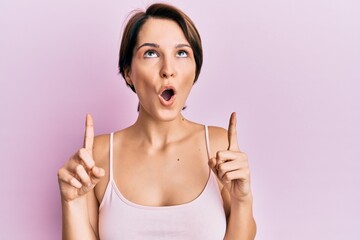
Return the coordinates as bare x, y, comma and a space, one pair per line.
162, 69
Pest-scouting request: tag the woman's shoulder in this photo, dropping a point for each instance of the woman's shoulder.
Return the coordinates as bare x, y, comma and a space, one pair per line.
101, 149
218, 139
218, 136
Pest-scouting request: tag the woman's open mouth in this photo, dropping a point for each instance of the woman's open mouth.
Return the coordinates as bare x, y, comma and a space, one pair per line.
167, 96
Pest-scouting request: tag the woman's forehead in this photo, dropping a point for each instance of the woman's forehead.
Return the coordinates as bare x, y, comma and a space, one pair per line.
161, 32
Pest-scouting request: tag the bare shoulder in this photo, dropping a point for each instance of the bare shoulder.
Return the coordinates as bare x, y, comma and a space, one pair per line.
101, 155
218, 138
101, 149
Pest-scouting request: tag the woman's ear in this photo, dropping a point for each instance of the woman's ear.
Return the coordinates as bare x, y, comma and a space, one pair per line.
128, 76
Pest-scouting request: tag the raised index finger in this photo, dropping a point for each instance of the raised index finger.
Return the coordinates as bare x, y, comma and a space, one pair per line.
232, 136
89, 134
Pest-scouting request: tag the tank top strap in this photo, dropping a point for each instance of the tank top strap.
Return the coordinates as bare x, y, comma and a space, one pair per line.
207, 141
111, 149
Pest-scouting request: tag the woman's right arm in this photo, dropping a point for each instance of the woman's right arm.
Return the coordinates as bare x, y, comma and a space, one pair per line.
77, 179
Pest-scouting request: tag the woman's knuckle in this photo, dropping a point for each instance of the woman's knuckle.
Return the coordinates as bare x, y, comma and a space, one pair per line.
219, 154
61, 172
221, 167
78, 168
226, 177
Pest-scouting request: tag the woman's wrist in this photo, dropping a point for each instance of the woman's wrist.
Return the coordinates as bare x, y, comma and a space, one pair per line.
75, 204
245, 200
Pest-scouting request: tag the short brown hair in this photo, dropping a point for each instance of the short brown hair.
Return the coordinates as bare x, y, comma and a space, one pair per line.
162, 11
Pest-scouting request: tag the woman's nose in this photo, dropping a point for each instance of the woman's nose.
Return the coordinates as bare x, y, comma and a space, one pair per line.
167, 69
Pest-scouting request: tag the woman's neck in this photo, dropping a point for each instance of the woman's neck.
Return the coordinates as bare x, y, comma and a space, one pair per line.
157, 133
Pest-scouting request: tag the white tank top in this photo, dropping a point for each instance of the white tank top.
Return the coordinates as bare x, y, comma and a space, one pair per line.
203, 218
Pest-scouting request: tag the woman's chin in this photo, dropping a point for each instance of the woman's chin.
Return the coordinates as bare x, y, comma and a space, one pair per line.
164, 114
168, 115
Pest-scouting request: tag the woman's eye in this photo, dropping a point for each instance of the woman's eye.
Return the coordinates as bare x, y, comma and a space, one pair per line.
182, 53
150, 54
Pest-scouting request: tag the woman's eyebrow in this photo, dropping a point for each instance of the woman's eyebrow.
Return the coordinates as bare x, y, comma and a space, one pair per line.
149, 45
180, 45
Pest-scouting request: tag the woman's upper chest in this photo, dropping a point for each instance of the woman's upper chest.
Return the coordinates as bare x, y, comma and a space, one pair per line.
174, 174
170, 176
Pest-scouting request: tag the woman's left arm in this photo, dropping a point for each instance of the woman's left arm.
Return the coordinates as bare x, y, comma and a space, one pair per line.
232, 168
240, 223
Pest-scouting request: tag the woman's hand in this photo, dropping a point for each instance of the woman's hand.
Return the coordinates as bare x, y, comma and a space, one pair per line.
79, 175
232, 167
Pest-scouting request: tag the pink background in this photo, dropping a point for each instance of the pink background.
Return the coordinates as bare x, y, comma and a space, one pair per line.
290, 69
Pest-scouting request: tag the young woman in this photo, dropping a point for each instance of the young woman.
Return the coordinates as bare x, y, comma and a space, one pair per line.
164, 177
